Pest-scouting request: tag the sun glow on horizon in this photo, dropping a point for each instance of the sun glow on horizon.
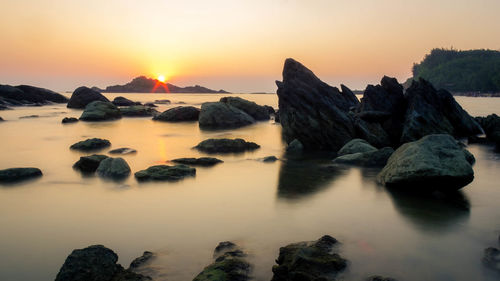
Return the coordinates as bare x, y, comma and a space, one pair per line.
161, 78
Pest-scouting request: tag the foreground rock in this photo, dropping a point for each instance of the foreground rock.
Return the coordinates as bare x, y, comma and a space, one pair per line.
123, 150
165, 173
90, 163
202, 161
122, 101
138, 111
96, 263
100, 111
19, 174
113, 168
372, 158
433, 162
219, 115
258, 112
28, 95
313, 260
229, 265
91, 144
67, 120
226, 146
356, 146
82, 96
179, 114
491, 258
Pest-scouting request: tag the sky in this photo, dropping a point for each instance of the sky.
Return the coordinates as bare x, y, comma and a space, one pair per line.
236, 45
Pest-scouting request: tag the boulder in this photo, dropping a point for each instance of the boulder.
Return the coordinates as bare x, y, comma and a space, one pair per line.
491, 258
82, 96
219, 115
295, 146
312, 260
122, 101
89, 164
226, 146
313, 112
165, 173
115, 168
178, 114
355, 146
229, 265
142, 260
96, 263
433, 162
202, 161
150, 104
100, 111
123, 150
91, 144
138, 111
269, 159
28, 95
491, 126
372, 158
69, 120
19, 174
258, 112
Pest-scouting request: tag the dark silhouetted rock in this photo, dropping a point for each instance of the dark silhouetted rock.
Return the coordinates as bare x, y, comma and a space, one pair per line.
226, 145
269, 159
142, 84
491, 126
29, 116
202, 161
178, 114
142, 260
372, 158
115, 168
270, 109
19, 174
4, 107
219, 115
91, 144
258, 112
309, 261
138, 111
355, 146
123, 150
295, 146
433, 162
229, 265
491, 258
122, 101
69, 120
165, 173
162, 101
100, 111
1, 119
82, 96
28, 95
150, 104
312, 111
89, 164
379, 278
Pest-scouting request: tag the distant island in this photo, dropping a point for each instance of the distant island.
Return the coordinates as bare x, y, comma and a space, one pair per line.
470, 73
143, 84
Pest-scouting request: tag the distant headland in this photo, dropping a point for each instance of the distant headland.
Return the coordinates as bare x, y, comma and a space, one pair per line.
143, 84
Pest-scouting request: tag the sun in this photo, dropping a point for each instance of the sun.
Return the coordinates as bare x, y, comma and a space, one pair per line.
161, 78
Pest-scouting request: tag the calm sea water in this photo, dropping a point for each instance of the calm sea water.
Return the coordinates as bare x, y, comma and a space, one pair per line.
261, 206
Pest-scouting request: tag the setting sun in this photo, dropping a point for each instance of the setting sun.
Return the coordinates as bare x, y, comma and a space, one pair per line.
161, 78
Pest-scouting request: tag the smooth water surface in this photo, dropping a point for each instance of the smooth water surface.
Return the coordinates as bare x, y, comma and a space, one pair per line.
261, 206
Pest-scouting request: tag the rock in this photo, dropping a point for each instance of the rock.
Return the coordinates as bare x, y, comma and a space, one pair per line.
491, 126
100, 111
165, 173
258, 112
226, 146
1, 119
295, 146
373, 158
19, 174
122, 101
309, 261
433, 162
229, 265
96, 263
372, 132
270, 109
142, 260
29, 116
150, 104
28, 95
115, 168
69, 120
277, 116
219, 115
89, 164
138, 111
82, 96
355, 146
123, 150
179, 113
203, 161
4, 107
312, 111
269, 159
162, 101
491, 258
91, 144
379, 278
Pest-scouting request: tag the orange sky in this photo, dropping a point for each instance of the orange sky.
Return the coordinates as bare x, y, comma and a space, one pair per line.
235, 45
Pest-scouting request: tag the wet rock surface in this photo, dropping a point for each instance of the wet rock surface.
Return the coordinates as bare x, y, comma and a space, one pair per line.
12, 175
219, 115
82, 96
258, 112
165, 173
113, 168
67, 120
202, 161
179, 114
226, 146
356, 146
91, 144
90, 163
373, 158
230, 265
100, 111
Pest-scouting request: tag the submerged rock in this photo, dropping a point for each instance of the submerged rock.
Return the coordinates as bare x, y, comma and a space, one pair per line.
433, 162
229, 265
19, 174
82, 96
226, 146
219, 115
89, 164
491, 258
269, 159
356, 146
123, 150
178, 114
258, 112
138, 111
122, 101
202, 161
165, 173
115, 168
372, 158
69, 120
309, 261
91, 144
100, 111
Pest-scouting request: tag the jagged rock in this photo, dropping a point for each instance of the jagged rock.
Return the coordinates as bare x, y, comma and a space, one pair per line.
165, 173
123, 150
69, 120
219, 115
28, 95
91, 144
89, 164
355, 146
19, 174
491, 258
312, 111
202, 161
229, 265
82, 96
115, 168
433, 162
258, 112
122, 101
138, 111
309, 261
100, 111
179, 113
226, 145
372, 158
